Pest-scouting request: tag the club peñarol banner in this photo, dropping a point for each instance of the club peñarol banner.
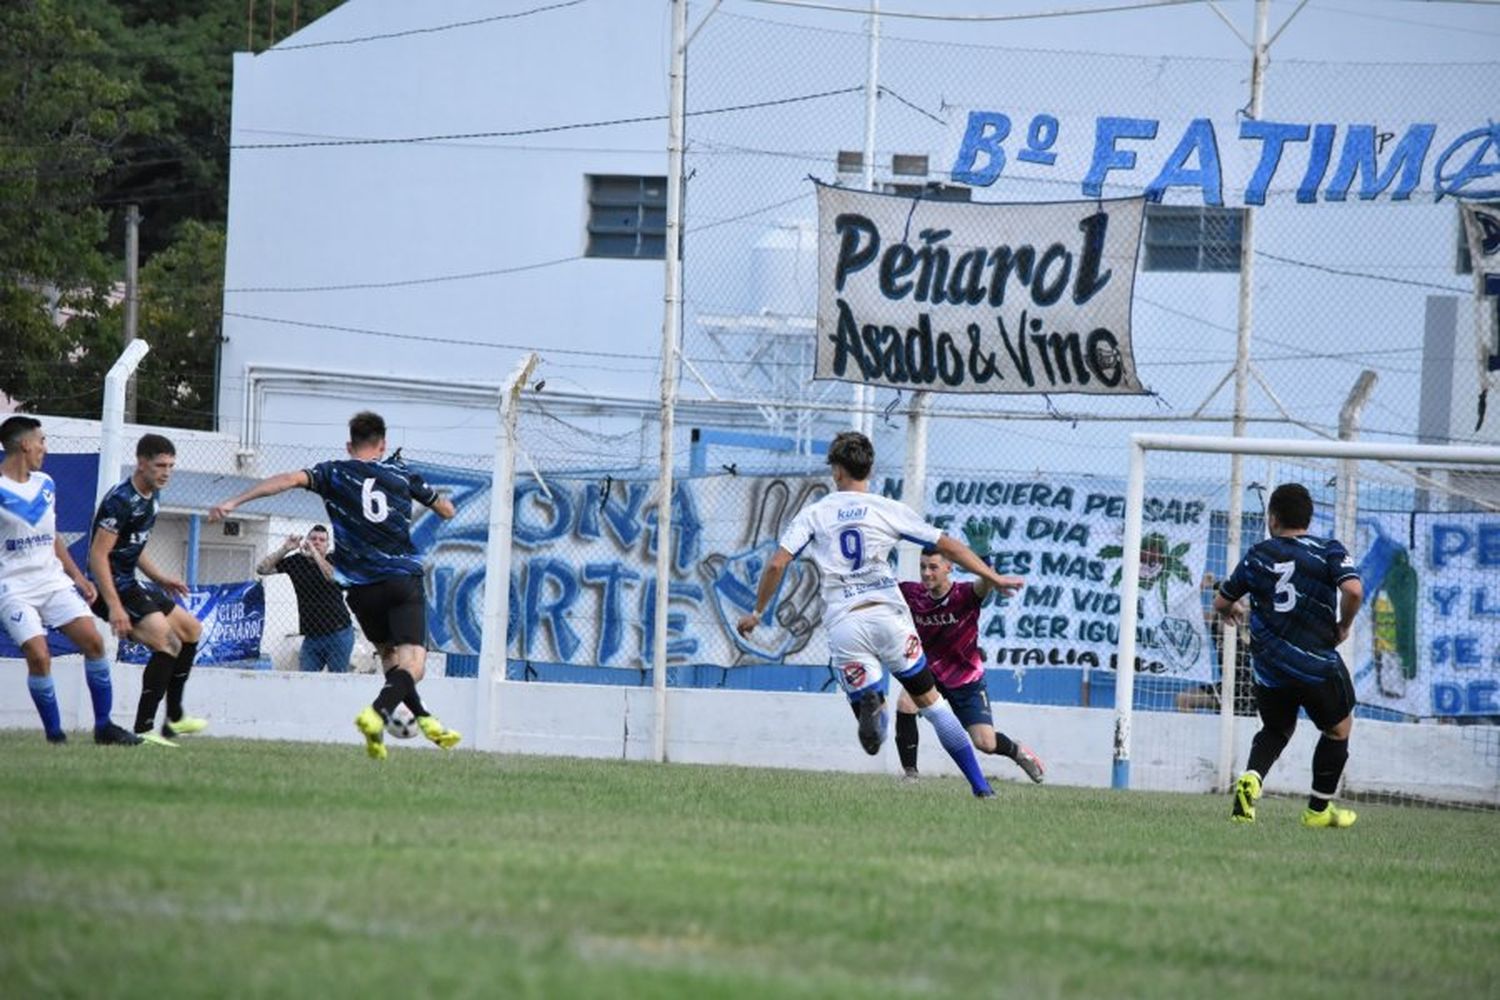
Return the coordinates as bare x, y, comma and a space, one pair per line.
233, 617
965, 297
583, 587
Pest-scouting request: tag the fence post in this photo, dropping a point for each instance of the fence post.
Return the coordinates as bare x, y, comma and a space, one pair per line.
1130, 590
494, 636
112, 417
914, 476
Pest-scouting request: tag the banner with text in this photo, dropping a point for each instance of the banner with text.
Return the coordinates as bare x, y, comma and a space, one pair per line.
1064, 537
1455, 590
1200, 160
977, 298
583, 590
233, 617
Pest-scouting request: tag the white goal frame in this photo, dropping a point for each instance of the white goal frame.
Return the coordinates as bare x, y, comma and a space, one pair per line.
1135, 488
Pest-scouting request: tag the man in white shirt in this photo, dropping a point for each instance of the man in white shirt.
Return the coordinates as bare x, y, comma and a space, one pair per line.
848, 535
41, 586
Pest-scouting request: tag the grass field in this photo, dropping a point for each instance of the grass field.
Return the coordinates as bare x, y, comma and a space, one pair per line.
234, 868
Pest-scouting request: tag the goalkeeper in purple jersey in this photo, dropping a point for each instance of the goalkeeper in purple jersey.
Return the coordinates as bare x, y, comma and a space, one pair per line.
947, 618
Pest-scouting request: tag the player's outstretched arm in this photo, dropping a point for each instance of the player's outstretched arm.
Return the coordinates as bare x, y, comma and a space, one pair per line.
268, 487
961, 555
769, 581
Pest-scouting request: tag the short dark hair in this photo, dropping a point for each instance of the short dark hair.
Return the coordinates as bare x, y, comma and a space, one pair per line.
852, 452
1292, 506
932, 550
15, 428
366, 427
318, 527
151, 445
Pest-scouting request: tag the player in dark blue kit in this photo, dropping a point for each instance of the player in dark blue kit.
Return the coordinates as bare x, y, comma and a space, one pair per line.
369, 502
1304, 593
144, 610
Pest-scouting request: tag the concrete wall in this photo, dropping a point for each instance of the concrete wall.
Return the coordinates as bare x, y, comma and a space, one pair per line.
801, 731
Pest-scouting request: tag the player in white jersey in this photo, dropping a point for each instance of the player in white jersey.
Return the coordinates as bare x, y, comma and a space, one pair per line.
41, 586
848, 535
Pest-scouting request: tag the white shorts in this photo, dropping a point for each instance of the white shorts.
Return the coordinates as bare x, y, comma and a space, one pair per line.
27, 618
865, 645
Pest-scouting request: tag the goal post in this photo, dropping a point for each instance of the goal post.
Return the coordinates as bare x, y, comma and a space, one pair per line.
1425, 472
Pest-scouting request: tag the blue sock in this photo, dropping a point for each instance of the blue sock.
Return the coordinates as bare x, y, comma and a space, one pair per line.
96, 673
955, 739
44, 695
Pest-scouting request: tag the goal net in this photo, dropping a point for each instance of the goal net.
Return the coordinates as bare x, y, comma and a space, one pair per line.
1422, 524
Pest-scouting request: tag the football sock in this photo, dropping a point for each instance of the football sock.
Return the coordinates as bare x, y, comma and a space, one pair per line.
907, 739
44, 696
180, 670
955, 740
101, 690
1004, 746
154, 681
1264, 750
1329, 758
398, 685
412, 700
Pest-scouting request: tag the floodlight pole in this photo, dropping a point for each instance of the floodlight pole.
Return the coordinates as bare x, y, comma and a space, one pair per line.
1229, 648
671, 340
1346, 510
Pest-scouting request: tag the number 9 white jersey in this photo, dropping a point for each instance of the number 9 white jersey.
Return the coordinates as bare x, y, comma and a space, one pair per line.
849, 536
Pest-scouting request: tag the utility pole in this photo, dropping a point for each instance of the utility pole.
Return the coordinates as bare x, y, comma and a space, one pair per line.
132, 295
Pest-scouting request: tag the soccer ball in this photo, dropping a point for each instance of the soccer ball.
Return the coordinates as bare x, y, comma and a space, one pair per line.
402, 724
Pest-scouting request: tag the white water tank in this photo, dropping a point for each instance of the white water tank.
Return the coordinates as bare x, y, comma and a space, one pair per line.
784, 270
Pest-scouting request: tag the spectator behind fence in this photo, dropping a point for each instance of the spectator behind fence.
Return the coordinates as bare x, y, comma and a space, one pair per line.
1206, 696
323, 620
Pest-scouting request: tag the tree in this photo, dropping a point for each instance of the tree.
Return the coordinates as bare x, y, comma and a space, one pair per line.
182, 297
61, 118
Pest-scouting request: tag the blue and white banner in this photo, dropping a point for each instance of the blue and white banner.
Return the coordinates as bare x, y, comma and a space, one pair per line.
233, 617
1457, 615
1217, 162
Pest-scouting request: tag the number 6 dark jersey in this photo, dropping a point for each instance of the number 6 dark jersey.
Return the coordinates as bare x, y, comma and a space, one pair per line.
370, 508
1293, 583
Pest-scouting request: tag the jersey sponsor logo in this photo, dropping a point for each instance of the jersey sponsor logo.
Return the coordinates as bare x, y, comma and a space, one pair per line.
938, 619
110, 524
854, 674
28, 543
852, 513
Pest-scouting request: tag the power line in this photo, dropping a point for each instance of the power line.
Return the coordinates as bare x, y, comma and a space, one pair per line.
980, 18
425, 31
542, 129
420, 338
1359, 274
401, 283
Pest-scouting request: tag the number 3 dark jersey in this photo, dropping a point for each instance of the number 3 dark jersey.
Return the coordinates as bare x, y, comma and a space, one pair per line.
130, 516
1293, 583
370, 507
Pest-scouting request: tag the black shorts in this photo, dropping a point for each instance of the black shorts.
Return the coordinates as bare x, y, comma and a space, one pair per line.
391, 611
139, 601
970, 702
1327, 703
